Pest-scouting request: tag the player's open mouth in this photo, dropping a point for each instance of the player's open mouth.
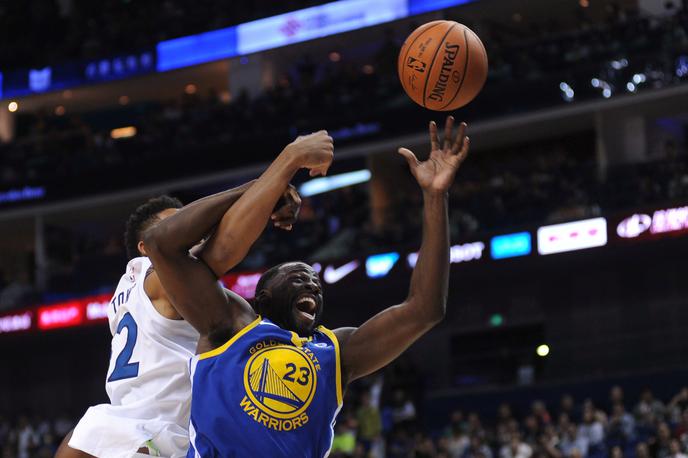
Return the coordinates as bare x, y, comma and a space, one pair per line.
306, 306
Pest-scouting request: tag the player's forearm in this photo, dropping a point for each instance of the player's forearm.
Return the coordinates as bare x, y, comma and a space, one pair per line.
243, 223
430, 278
189, 225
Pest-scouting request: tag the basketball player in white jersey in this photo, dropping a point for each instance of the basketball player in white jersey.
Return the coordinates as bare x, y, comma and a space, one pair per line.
148, 379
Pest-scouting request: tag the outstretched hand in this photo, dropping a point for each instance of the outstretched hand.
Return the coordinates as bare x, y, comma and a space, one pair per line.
287, 211
437, 173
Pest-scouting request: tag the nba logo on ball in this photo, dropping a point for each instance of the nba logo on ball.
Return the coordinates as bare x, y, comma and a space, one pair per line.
453, 69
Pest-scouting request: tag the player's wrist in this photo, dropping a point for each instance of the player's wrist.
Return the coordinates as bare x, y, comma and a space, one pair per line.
290, 160
435, 194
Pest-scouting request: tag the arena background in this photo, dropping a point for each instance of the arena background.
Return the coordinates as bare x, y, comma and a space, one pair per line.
565, 333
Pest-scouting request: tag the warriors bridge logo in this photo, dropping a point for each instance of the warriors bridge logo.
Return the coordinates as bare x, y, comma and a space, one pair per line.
280, 384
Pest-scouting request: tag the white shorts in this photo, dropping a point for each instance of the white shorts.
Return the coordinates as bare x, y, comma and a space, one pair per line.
107, 431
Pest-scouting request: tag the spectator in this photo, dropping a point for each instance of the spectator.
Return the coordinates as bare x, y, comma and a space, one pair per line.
369, 422
344, 442
648, 410
516, 448
573, 444
478, 449
592, 430
621, 427
675, 450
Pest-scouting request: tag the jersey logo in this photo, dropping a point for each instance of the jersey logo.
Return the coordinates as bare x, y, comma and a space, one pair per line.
280, 383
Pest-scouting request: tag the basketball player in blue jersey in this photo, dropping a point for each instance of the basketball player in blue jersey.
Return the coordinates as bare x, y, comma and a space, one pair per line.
268, 382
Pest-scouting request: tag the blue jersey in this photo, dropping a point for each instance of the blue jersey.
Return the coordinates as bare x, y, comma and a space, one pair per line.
266, 393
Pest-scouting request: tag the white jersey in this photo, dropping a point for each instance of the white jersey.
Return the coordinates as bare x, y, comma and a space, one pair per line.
148, 380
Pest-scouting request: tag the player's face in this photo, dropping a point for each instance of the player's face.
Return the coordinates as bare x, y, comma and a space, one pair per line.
297, 298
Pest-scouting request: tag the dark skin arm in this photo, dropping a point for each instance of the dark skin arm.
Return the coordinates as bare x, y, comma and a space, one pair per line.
385, 336
191, 283
215, 206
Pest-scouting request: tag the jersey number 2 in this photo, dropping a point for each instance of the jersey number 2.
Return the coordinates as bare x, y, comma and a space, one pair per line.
123, 368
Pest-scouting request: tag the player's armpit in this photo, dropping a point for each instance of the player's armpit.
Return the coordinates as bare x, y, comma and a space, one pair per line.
158, 297
380, 340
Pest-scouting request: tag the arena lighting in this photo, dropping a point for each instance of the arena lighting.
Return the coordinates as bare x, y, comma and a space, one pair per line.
542, 350
379, 265
334, 274
457, 254
496, 320
12, 106
639, 78
619, 64
325, 184
511, 245
577, 235
567, 91
630, 87
16, 322
123, 132
681, 66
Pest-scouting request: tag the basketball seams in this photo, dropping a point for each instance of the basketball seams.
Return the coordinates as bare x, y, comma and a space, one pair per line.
465, 68
432, 64
402, 74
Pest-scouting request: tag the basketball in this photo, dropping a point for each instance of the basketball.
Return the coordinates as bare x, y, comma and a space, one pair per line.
442, 65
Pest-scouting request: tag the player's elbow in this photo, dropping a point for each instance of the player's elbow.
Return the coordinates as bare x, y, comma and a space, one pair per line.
436, 315
156, 241
429, 312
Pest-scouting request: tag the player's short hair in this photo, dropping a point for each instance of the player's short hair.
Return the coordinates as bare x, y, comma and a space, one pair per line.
263, 282
144, 217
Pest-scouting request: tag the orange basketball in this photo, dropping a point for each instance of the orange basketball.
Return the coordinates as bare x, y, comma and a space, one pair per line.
442, 65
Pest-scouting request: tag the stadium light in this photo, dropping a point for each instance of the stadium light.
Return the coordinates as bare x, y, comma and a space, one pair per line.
325, 184
542, 350
12, 106
496, 320
123, 132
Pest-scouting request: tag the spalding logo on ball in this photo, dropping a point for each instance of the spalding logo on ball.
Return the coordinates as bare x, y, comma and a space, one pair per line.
442, 65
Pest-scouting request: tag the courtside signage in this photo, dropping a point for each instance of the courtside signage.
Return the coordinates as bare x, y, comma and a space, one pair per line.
577, 235
663, 221
16, 322
334, 274
472, 251
511, 245
316, 22
379, 265
76, 312
242, 284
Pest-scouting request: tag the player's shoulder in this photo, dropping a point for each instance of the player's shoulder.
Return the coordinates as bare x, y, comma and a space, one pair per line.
343, 334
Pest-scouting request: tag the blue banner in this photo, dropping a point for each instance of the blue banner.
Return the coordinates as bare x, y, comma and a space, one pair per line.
424, 6
197, 49
71, 74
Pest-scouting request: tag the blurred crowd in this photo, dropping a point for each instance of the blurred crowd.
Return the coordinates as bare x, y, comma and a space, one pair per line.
384, 417
346, 89
620, 427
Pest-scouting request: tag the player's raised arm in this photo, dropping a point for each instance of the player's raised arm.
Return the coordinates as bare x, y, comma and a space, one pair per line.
191, 282
385, 336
